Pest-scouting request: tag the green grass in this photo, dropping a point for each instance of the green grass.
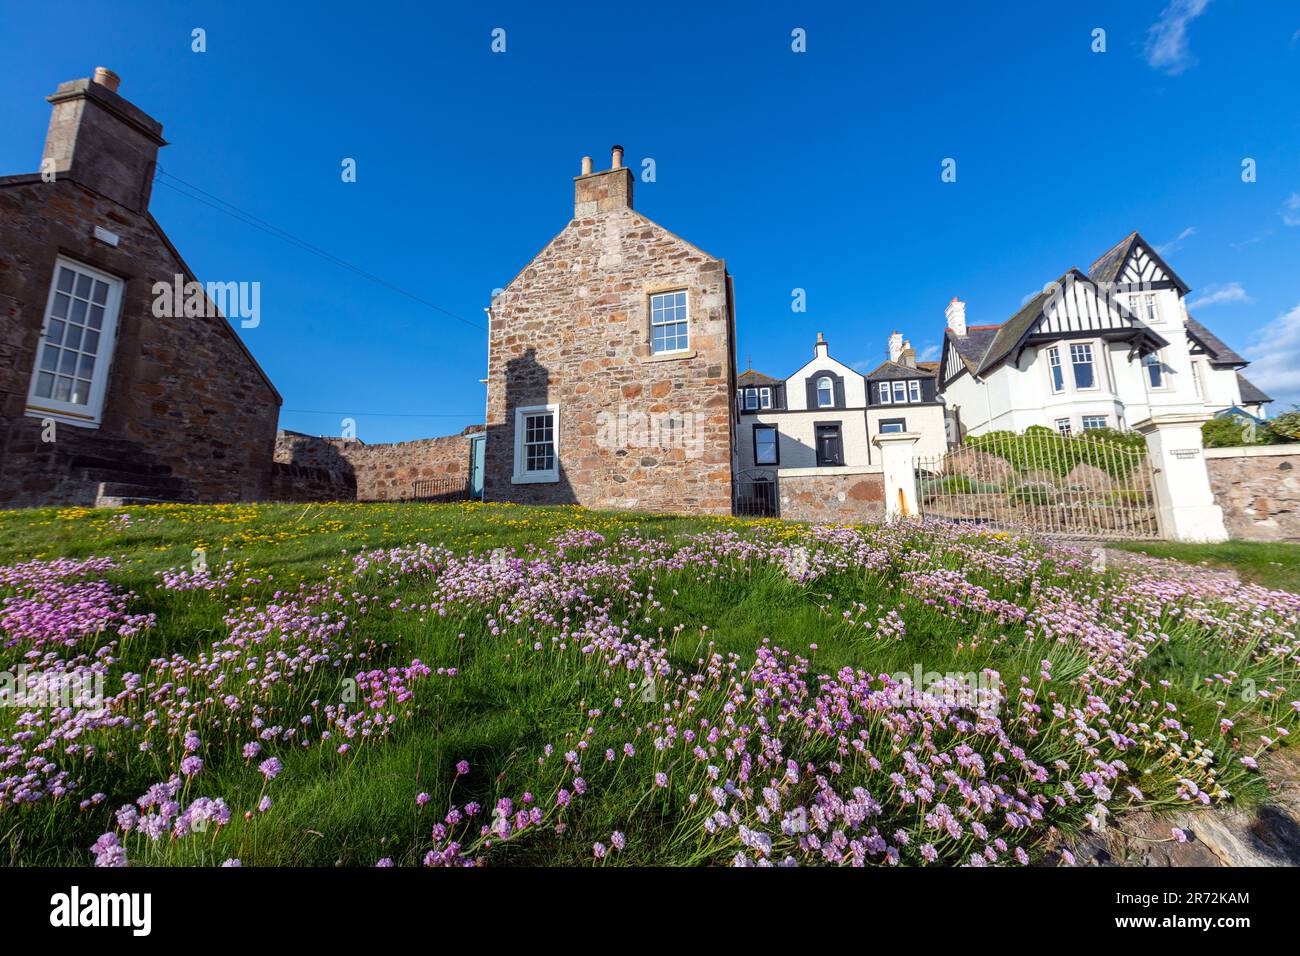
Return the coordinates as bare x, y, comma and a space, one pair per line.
507, 701
1270, 564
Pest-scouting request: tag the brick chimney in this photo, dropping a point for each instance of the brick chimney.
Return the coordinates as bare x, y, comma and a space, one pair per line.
821, 349
956, 313
102, 141
605, 191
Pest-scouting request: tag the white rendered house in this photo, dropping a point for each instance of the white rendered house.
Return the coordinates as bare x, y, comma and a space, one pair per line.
1103, 350
821, 419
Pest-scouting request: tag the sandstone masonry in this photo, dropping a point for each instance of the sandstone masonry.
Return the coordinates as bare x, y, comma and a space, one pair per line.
1258, 488
362, 472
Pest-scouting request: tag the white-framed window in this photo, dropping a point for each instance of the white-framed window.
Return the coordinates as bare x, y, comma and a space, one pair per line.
1091, 422
751, 399
892, 425
669, 323
900, 393
1144, 307
1063, 426
1196, 379
882, 389
1155, 370
537, 456
75, 348
825, 392
765, 445
1054, 367
1085, 373
913, 390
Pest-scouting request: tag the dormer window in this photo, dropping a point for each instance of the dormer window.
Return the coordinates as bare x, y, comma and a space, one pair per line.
751, 399
913, 390
825, 392
765, 397
882, 388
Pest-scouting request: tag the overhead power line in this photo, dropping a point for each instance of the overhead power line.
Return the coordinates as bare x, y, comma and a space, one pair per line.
234, 212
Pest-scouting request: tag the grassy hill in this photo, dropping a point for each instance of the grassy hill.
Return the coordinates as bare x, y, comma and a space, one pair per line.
489, 684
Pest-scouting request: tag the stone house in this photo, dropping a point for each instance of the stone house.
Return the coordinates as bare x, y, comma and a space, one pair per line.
611, 365
103, 400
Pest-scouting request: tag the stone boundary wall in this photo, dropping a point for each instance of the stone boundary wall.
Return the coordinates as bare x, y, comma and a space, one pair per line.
1258, 488
372, 472
856, 497
291, 482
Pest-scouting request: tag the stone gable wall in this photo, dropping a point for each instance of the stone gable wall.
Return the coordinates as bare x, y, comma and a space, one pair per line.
573, 329
1258, 489
186, 408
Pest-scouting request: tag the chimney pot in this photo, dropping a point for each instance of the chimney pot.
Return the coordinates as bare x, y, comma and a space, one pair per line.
616, 159
106, 77
587, 166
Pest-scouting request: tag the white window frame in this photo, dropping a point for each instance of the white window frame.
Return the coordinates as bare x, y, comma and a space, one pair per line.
913, 390
1063, 426
1054, 368
882, 389
1196, 380
830, 389
1154, 360
765, 397
91, 413
521, 476
1104, 419
900, 392
654, 324
751, 399
1092, 362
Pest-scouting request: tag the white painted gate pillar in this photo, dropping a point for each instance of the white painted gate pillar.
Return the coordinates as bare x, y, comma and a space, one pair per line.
898, 459
1184, 500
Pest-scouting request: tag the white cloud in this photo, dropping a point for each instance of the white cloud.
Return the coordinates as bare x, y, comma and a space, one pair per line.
1252, 240
930, 353
1167, 48
1275, 360
1290, 211
1219, 294
1173, 245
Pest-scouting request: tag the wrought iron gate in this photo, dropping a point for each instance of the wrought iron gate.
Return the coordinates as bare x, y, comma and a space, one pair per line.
1081, 486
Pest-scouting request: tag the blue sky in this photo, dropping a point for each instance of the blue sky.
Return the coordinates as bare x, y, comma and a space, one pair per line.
818, 171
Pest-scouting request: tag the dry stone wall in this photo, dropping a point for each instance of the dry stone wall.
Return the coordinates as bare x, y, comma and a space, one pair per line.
1258, 488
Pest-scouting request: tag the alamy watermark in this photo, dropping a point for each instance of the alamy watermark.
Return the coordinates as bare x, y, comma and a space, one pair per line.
192, 299
38, 690
662, 431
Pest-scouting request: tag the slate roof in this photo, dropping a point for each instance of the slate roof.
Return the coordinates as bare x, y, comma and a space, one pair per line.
1220, 354
971, 347
751, 377
1250, 392
892, 370
1107, 268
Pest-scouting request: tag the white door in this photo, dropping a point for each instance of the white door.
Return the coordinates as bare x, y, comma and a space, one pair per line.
76, 345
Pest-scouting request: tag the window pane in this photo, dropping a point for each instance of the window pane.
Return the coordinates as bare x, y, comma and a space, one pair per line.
96, 316
900, 392
83, 286
1081, 358
61, 303
80, 391
78, 311
50, 358
86, 366
62, 388
101, 292
66, 278
54, 332
90, 342
68, 362
73, 339
44, 384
